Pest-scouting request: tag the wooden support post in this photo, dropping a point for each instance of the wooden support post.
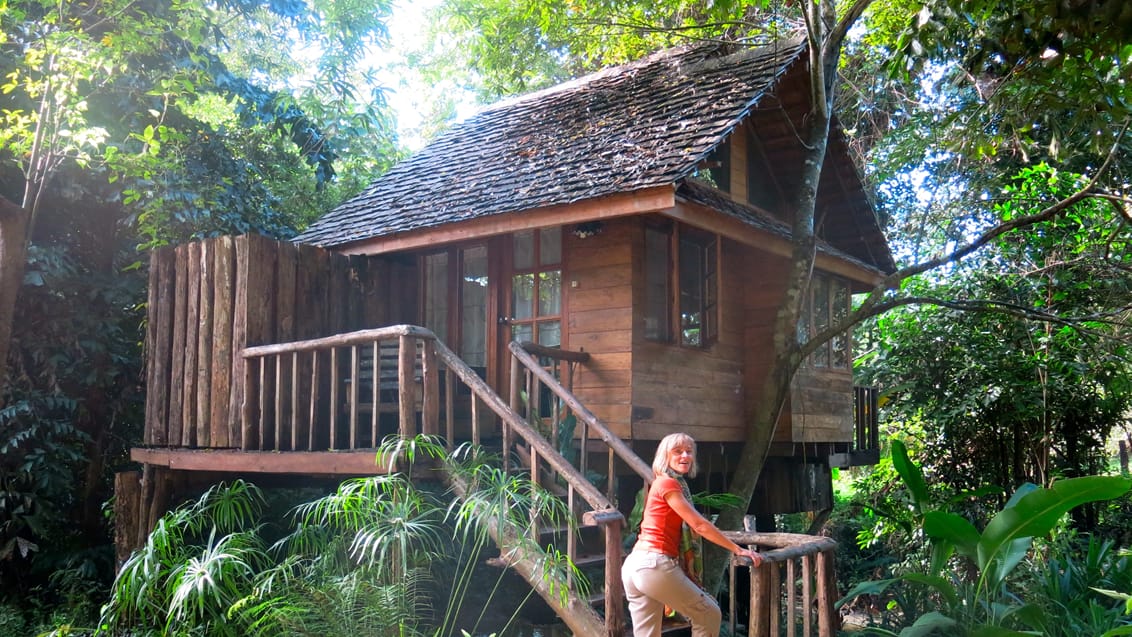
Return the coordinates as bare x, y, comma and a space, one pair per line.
406, 403
145, 502
827, 583
127, 504
614, 594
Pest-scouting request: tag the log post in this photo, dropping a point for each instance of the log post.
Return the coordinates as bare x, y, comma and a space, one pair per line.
127, 505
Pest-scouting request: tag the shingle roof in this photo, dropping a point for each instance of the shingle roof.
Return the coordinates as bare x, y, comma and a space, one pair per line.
641, 125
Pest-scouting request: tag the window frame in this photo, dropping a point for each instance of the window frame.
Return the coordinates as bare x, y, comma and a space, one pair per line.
818, 314
689, 253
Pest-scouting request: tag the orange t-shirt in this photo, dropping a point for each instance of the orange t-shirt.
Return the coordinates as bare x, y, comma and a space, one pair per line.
660, 524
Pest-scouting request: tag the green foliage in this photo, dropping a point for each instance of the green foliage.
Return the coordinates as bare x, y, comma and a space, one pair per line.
973, 596
355, 562
1020, 372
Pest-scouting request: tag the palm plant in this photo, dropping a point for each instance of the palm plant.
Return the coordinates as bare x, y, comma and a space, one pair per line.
356, 562
194, 565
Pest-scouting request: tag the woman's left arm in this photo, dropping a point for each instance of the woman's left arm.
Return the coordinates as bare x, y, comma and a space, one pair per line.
705, 529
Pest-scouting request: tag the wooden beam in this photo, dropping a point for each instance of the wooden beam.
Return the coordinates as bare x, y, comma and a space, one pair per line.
703, 217
236, 461
619, 205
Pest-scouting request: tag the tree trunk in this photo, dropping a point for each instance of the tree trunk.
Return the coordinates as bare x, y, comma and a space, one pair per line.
13, 261
772, 394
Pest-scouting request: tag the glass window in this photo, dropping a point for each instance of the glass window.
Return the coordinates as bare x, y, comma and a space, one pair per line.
696, 281
522, 297
454, 299
762, 190
473, 306
550, 246
550, 292
524, 249
436, 294
827, 304
536, 286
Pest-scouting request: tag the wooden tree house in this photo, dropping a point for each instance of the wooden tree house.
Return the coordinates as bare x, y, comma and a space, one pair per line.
607, 254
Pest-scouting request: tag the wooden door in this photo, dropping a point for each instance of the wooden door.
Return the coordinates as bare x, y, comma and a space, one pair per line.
532, 307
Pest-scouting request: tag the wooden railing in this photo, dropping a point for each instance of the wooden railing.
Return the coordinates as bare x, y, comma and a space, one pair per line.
307, 395
792, 592
310, 395
530, 375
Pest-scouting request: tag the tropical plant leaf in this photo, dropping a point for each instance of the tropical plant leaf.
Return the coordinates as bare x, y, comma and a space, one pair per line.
911, 474
999, 631
928, 623
1036, 513
954, 528
875, 587
941, 585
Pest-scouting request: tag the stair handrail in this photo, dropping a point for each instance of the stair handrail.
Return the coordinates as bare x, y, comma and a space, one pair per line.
620, 449
594, 497
603, 513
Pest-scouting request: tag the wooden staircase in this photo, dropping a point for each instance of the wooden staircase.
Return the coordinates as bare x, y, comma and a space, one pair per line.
436, 393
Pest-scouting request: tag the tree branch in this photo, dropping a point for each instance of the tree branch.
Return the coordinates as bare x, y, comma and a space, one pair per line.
1116, 318
1087, 191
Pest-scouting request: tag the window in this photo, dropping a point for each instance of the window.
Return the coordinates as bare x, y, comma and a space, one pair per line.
681, 285
718, 166
463, 287
536, 286
827, 304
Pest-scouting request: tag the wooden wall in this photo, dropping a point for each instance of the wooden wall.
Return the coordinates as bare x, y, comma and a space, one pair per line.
821, 405
696, 391
599, 298
763, 286
210, 299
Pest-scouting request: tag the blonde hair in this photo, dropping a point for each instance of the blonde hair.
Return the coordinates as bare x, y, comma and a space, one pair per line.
660, 460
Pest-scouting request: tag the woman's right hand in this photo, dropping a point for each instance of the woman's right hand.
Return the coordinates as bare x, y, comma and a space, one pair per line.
755, 557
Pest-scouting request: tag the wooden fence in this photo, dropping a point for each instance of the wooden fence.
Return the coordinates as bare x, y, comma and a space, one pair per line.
210, 299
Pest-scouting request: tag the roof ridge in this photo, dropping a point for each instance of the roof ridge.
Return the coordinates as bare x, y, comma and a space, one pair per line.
708, 61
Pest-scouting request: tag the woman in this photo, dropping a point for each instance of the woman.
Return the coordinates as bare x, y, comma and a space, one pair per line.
652, 575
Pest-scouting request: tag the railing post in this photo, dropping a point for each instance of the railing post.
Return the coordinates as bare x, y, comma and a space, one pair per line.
246, 408
515, 400
407, 410
808, 595
430, 383
614, 594
355, 377
827, 583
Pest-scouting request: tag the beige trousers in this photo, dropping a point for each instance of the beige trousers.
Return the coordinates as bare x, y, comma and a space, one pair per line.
653, 580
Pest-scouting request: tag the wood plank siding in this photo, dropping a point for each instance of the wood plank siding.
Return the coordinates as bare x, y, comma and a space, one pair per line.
821, 405
599, 293
210, 299
697, 391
